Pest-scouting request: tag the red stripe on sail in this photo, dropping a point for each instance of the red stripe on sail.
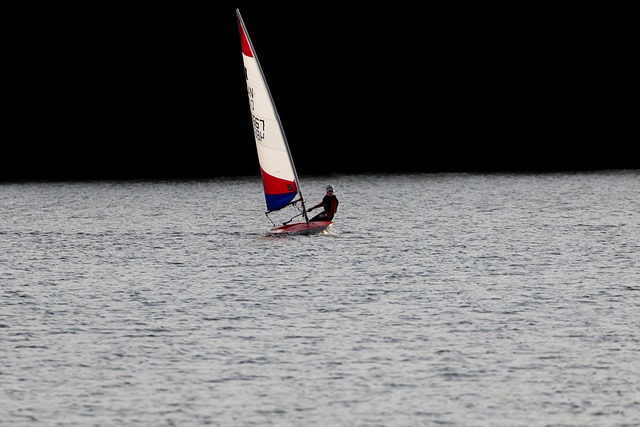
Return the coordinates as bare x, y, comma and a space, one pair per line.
273, 185
246, 49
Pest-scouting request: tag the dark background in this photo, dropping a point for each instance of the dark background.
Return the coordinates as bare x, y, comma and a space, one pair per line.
109, 91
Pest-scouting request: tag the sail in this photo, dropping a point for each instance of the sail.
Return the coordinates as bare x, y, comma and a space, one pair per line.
279, 177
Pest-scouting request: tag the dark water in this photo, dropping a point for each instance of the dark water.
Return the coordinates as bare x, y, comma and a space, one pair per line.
437, 300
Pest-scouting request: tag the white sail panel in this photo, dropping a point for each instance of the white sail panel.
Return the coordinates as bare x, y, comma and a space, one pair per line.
273, 154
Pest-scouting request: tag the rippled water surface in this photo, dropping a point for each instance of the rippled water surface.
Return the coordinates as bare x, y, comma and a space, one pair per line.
436, 300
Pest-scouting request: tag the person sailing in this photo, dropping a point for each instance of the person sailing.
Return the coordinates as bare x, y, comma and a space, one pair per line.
329, 203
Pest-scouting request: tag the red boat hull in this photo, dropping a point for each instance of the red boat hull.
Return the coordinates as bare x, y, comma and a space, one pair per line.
301, 228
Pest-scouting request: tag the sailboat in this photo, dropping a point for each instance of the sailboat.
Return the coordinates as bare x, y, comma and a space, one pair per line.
279, 177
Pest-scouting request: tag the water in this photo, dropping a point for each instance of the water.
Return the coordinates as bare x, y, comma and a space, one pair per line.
436, 300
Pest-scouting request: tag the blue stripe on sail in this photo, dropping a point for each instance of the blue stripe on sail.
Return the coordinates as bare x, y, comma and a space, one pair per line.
278, 201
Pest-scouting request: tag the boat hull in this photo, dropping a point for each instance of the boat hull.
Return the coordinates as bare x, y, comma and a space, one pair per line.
301, 228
